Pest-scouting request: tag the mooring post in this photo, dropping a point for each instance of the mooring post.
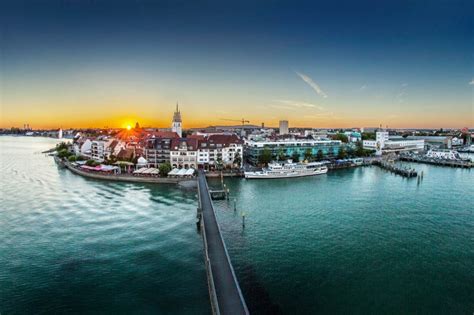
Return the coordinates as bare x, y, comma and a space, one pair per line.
235, 204
243, 219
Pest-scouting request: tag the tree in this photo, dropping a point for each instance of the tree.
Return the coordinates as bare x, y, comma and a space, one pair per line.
72, 158
165, 168
91, 163
295, 156
368, 136
359, 149
319, 155
64, 153
342, 153
281, 155
219, 164
308, 154
341, 136
265, 156
237, 159
61, 146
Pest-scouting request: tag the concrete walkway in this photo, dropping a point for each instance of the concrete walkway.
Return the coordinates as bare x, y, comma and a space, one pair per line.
224, 289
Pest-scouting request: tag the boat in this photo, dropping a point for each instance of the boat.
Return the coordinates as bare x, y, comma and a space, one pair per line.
443, 154
288, 170
467, 149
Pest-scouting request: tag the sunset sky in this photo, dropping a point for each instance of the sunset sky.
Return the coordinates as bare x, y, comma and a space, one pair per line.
96, 63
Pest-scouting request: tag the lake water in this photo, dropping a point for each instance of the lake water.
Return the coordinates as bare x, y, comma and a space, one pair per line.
352, 241
359, 241
70, 244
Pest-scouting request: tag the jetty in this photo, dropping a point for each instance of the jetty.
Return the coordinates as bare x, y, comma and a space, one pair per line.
439, 162
402, 171
224, 291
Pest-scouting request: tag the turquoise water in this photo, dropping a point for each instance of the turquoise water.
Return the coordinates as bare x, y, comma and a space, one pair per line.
359, 241
69, 244
352, 241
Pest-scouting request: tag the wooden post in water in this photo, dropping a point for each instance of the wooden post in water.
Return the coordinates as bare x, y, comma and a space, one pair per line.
243, 219
235, 204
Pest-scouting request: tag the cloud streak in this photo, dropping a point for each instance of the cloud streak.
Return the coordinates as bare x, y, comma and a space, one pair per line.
472, 82
312, 84
298, 104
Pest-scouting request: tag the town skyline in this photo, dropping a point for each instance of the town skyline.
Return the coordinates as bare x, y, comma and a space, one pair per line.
405, 65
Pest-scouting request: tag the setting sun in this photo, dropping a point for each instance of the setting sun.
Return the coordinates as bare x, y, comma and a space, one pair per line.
129, 127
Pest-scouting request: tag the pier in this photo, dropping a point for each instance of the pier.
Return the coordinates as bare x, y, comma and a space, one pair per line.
439, 162
224, 290
405, 172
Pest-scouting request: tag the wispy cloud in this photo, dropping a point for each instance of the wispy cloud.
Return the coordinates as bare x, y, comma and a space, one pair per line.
472, 82
363, 87
298, 104
402, 93
312, 84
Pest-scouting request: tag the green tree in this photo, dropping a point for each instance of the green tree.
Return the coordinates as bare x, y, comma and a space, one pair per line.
265, 156
64, 153
91, 162
281, 155
359, 149
72, 158
219, 164
368, 136
341, 154
308, 154
237, 159
295, 156
165, 168
341, 136
61, 146
319, 155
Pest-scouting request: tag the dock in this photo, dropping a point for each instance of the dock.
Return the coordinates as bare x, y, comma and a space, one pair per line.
405, 172
224, 290
439, 162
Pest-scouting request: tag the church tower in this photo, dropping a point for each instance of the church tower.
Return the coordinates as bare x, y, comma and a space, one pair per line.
176, 124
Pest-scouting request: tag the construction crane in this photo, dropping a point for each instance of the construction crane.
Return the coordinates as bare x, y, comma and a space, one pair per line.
243, 121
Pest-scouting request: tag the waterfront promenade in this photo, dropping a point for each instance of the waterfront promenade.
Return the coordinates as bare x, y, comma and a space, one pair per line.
224, 290
124, 177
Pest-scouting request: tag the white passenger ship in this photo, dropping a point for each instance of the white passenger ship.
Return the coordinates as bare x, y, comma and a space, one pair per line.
288, 170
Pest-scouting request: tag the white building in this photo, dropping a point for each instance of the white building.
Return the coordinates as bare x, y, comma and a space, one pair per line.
222, 149
176, 125
283, 127
183, 153
382, 144
98, 152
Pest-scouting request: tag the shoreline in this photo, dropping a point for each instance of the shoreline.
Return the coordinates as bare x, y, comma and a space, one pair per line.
124, 178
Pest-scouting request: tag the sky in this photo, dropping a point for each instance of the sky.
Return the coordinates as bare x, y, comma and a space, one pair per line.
322, 64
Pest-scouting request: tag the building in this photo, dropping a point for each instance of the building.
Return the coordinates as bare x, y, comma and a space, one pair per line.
157, 148
176, 125
98, 152
220, 150
284, 127
183, 153
383, 144
287, 147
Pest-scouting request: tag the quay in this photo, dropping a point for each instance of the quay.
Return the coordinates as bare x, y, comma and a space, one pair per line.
405, 172
439, 162
122, 177
224, 291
